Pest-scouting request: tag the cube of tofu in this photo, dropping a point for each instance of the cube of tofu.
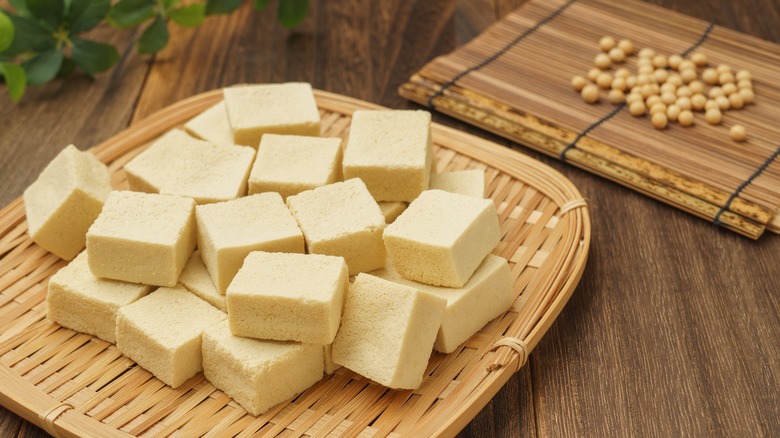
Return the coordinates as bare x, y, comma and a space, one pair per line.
387, 331
484, 297
391, 151
254, 110
163, 331
177, 164
65, 200
211, 125
391, 210
78, 300
330, 366
469, 182
442, 238
259, 374
290, 164
288, 297
195, 277
142, 238
229, 231
342, 219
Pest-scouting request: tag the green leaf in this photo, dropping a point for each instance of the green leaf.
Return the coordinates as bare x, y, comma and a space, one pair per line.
261, 4
84, 15
6, 31
292, 12
67, 67
42, 68
216, 7
189, 16
29, 36
15, 79
48, 12
154, 38
167, 4
21, 7
92, 56
129, 13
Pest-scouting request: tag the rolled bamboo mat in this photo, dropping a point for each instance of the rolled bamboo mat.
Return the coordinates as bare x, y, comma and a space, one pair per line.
514, 80
72, 384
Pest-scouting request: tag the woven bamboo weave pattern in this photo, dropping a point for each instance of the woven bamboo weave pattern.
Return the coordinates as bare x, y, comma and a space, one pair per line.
73, 384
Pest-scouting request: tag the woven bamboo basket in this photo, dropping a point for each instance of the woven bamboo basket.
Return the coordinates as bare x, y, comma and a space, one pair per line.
72, 384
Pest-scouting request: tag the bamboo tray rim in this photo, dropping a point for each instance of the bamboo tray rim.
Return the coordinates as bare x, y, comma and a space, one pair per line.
495, 367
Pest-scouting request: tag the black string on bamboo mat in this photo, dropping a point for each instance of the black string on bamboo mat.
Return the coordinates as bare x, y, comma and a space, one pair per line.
700, 41
620, 107
742, 186
503, 50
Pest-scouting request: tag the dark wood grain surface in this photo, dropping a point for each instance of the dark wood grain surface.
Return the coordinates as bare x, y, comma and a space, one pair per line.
675, 327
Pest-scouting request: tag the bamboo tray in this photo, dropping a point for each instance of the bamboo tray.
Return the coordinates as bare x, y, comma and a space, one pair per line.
72, 384
514, 80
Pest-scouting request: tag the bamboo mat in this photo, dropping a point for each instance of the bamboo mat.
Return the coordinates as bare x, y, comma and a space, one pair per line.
72, 384
514, 80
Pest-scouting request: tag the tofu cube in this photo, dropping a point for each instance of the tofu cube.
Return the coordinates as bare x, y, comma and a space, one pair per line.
229, 231
254, 110
177, 164
442, 238
211, 125
330, 366
469, 182
290, 164
484, 297
391, 151
64, 201
387, 331
195, 277
342, 219
163, 331
80, 301
288, 297
391, 210
142, 238
259, 374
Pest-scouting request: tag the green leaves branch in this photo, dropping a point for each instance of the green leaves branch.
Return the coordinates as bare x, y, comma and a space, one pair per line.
41, 39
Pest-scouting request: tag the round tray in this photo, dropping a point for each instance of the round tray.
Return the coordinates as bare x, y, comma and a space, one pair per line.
73, 384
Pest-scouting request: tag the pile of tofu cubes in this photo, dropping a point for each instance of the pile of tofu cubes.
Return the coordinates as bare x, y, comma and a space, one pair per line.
296, 271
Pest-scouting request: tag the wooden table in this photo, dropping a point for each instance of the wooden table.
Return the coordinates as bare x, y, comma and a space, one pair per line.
675, 328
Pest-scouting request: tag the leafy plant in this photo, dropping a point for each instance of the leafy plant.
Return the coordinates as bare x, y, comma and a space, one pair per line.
42, 39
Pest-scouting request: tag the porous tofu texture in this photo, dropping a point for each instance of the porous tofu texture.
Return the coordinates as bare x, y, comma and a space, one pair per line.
484, 297
469, 182
391, 151
391, 210
142, 238
259, 374
442, 237
290, 164
177, 164
229, 231
195, 277
387, 331
162, 332
80, 301
211, 125
254, 110
342, 219
288, 297
65, 200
